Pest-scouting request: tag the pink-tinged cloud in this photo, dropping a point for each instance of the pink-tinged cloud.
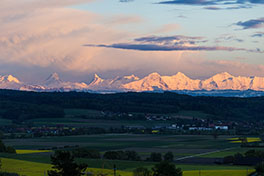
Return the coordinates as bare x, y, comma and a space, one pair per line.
125, 19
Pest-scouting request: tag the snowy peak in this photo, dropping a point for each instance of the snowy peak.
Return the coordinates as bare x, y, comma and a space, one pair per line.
9, 78
111, 84
54, 83
180, 75
54, 76
96, 76
96, 81
153, 75
53, 79
131, 77
222, 80
181, 82
151, 82
10, 82
222, 76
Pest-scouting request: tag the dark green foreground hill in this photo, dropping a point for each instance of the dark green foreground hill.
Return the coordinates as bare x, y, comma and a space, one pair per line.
20, 105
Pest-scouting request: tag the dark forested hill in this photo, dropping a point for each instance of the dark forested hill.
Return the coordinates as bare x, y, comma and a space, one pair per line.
27, 105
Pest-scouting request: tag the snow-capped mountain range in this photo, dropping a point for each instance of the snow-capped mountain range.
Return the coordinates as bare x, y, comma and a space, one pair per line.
152, 82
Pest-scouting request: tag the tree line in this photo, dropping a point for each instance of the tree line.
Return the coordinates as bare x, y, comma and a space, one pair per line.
28, 105
121, 155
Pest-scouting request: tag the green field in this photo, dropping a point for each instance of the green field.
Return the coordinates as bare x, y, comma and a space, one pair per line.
230, 152
180, 145
4, 122
143, 143
92, 118
28, 168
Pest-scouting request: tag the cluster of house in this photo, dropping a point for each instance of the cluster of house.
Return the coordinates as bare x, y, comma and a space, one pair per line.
181, 127
157, 118
41, 129
217, 127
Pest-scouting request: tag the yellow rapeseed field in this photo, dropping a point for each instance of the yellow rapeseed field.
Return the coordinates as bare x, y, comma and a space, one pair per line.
31, 151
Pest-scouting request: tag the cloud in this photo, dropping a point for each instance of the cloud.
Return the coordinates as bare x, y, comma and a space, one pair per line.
254, 23
251, 1
49, 35
227, 38
172, 43
124, 19
38, 37
228, 8
213, 8
190, 2
126, 0
169, 39
258, 34
211, 2
152, 47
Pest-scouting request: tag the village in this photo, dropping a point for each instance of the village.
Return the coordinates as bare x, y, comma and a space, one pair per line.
149, 124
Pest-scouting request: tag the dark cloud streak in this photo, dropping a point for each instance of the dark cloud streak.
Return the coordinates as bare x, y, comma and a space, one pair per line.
254, 23
258, 34
153, 47
211, 2
173, 43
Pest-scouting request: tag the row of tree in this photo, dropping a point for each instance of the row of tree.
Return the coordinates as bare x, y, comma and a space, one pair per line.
121, 155
163, 168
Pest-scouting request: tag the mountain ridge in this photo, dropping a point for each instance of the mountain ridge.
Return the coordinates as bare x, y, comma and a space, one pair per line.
152, 82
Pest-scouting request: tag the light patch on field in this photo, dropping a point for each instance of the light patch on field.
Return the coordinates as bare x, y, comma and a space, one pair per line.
218, 172
233, 139
246, 140
32, 151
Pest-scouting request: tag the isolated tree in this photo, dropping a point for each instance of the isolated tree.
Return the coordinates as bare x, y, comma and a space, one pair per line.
141, 171
64, 165
168, 157
165, 168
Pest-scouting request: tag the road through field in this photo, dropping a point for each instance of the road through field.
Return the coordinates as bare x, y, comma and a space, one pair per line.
206, 153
